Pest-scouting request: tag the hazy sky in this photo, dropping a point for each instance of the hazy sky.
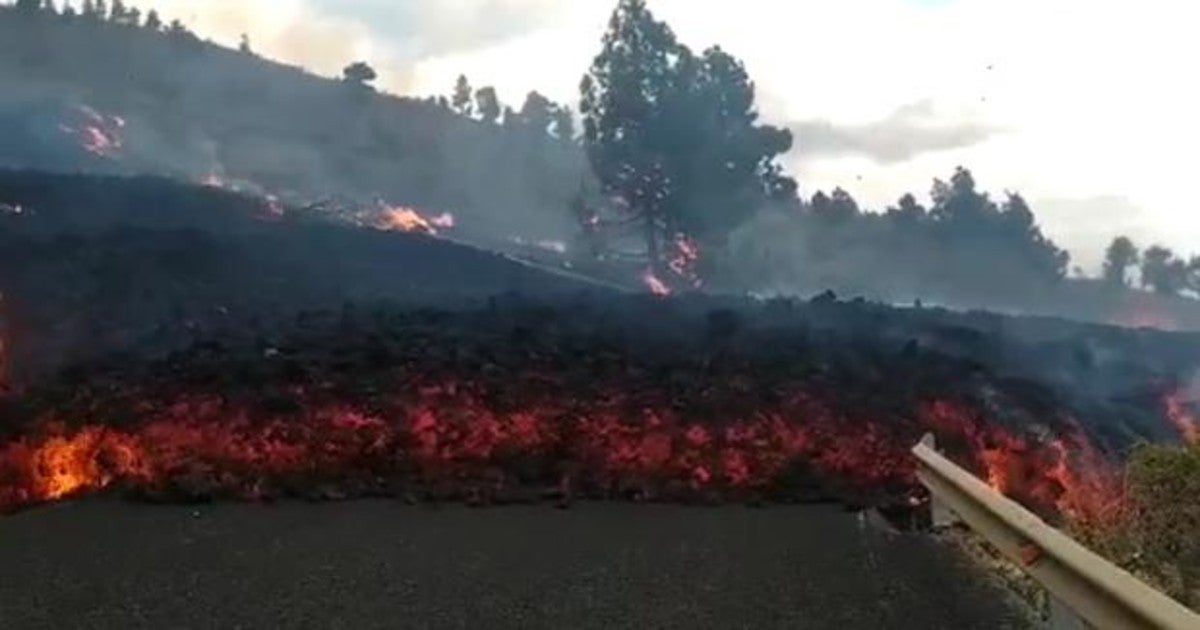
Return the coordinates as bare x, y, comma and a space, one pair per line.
1088, 107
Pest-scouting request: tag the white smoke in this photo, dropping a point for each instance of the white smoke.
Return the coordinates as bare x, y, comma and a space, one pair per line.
393, 36
292, 31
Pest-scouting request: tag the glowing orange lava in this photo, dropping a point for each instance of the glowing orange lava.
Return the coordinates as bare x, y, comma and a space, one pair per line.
456, 433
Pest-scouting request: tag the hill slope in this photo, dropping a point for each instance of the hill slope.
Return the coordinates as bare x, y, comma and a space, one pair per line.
176, 106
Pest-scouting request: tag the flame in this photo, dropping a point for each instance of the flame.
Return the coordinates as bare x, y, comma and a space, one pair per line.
1181, 417
684, 259
97, 133
684, 255
215, 180
404, 219
272, 207
656, 286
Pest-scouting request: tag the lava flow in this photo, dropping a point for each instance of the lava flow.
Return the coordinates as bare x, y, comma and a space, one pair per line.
467, 438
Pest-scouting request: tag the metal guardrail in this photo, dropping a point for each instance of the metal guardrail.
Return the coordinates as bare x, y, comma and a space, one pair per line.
1085, 589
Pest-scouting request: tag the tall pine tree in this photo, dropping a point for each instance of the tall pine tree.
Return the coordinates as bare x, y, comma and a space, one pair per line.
674, 136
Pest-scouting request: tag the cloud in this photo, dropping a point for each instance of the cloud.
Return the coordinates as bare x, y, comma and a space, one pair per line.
908, 131
395, 36
425, 28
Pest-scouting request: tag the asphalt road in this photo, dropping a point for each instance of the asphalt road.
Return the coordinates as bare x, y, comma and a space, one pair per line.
106, 564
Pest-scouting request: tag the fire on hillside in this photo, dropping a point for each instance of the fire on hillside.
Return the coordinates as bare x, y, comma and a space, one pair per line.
98, 134
405, 219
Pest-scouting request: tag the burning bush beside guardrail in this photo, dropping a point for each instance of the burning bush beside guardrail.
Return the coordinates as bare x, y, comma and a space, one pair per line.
1155, 535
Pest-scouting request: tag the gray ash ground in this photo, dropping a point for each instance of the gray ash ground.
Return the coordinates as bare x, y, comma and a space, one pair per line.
379, 564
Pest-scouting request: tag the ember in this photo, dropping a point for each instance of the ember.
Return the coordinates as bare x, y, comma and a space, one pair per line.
96, 133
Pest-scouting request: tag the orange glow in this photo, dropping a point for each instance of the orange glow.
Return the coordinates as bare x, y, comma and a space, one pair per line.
656, 286
403, 219
1143, 310
454, 432
683, 260
1182, 418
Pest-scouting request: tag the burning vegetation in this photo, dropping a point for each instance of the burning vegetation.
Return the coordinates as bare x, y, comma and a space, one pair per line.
98, 134
403, 219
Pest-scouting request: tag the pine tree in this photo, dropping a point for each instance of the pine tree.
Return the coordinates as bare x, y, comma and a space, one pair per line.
1121, 255
153, 21
461, 99
487, 103
563, 125
675, 136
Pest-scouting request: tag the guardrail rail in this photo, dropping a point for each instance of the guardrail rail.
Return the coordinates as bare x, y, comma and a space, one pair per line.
1086, 591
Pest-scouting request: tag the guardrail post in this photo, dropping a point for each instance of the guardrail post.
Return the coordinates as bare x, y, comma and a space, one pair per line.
941, 516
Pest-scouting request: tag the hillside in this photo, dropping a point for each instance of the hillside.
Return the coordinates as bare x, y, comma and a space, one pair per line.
87, 96
176, 106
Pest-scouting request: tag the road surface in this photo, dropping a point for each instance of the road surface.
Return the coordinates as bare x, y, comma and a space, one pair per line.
379, 564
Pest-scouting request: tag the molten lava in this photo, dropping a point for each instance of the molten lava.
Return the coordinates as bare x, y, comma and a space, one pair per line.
98, 134
463, 435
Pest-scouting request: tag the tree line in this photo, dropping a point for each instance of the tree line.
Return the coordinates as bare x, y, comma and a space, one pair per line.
1158, 268
114, 12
